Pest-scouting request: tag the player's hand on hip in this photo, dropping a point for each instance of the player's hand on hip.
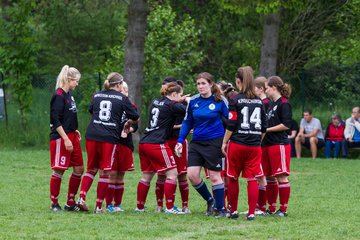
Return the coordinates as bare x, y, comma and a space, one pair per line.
178, 149
68, 145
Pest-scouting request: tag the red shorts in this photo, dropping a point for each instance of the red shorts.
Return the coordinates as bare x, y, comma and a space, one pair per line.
61, 159
101, 155
124, 160
276, 160
243, 159
181, 162
156, 158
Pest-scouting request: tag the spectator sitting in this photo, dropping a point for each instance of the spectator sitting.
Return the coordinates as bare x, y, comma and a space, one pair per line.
310, 134
292, 132
334, 137
352, 130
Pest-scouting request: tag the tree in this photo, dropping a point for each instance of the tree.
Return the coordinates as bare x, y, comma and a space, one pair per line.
134, 48
19, 46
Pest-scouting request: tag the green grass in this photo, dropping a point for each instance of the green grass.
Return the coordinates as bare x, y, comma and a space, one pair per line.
323, 205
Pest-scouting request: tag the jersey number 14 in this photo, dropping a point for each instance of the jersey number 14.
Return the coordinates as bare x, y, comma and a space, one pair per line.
255, 118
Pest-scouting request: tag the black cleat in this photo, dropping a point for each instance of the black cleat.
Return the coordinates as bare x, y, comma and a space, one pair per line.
55, 207
233, 215
72, 208
210, 208
250, 217
268, 212
219, 214
280, 213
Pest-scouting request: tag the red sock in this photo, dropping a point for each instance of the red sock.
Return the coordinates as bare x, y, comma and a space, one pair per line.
86, 183
233, 194
253, 193
119, 192
142, 191
74, 184
261, 203
170, 190
159, 192
284, 195
102, 189
55, 183
272, 192
184, 191
110, 194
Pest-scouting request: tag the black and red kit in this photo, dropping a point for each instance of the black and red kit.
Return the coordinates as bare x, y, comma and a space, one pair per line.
162, 116
63, 112
107, 109
247, 120
278, 113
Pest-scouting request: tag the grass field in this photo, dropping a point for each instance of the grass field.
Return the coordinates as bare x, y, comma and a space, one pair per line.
324, 204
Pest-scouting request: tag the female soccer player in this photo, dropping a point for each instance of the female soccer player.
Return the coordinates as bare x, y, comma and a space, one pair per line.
65, 149
181, 163
246, 125
204, 114
103, 133
276, 145
155, 154
272, 184
124, 162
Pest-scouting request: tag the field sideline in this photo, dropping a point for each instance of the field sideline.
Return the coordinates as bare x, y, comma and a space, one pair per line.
324, 204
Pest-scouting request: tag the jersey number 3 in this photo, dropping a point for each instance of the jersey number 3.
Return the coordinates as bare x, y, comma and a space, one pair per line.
154, 117
105, 110
254, 118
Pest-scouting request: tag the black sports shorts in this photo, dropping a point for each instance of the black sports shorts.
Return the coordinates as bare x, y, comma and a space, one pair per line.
206, 153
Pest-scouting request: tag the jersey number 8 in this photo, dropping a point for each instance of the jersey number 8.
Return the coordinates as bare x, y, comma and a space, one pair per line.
105, 110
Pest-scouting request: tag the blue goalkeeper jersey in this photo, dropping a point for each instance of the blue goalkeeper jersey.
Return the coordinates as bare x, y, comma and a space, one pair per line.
204, 115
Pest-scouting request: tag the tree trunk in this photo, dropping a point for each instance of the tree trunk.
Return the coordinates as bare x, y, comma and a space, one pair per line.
269, 46
134, 48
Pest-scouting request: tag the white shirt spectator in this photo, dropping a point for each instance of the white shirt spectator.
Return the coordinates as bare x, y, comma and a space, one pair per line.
310, 126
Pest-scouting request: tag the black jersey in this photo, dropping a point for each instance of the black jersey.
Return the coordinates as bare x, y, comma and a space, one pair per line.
63, 112
107, 109
247, 120
128, 140
162, 115
279, 112
266, 103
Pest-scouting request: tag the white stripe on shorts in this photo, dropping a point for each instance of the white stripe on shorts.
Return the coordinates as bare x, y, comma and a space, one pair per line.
165, 155
283, 158
57, 152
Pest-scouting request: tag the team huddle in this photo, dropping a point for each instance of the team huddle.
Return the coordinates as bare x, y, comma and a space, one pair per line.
242, 130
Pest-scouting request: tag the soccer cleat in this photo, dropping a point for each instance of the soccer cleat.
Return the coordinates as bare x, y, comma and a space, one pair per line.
82, 205
118, 208
71, 208
250, 217
110, 208
174, 210
233, 215
55, 207
186, 210
268, 213
260, 213
280, 213
210, 208
99, 211
140, 210
159, 209
219, 214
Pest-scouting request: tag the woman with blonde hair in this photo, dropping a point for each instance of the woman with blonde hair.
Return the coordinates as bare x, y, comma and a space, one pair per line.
65, 149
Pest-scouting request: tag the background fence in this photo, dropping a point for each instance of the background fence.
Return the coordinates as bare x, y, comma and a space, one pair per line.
325, 90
